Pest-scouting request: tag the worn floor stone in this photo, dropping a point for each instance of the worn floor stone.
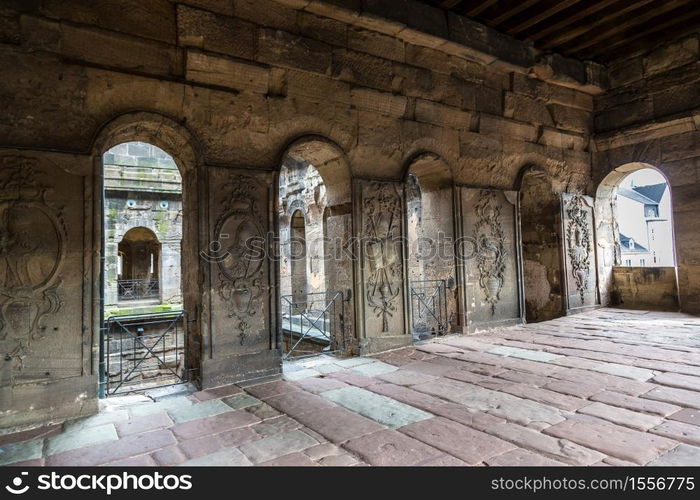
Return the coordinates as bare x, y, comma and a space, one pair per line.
496, 398
616, 441
682, 454
467, 444
621, 416
376, 407
277, 445
389, 447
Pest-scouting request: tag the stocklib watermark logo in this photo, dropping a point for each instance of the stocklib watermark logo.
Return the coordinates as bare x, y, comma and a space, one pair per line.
18, 487
108, 484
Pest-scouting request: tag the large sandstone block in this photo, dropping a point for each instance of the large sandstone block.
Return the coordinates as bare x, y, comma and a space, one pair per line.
291, 51
376, 44
379, 102
121, 51
439, 114
224, 72
268, 13
215, 33
362, 69
527, 109
672, 56
317, 87
153, 19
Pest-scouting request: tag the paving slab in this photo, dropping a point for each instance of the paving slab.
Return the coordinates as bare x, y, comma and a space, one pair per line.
561, 450
199, 410
79, 438
20, 452
301, 374
678, 380
318, 385
137, 425
689, 416
215, 424
277, 445
406, 377
621, 416
376, 407
680, 431
242, 400
374, 369
467, 444
224, 458
297, 403
522, 458
681, 455
516, 352
338, 424
635, 403
178, 403
680, 397
291, 460
391, 448
613, 440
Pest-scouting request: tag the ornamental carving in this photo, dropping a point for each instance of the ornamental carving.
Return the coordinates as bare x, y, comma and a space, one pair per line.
240, 238
32, 249
381, 212
578, 242
490, 241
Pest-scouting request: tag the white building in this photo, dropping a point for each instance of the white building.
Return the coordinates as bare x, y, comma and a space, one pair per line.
644, 217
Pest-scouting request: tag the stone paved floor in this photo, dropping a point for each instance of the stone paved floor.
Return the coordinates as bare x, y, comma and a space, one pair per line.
607, 387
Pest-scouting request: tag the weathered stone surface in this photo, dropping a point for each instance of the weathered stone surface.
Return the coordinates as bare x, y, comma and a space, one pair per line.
679, 381
688, 416
545, 396
379, 408
469, 445
681, 455
521, 458
621, 416
278, 445
680, 397
635, 403
339, 424
389, 447
224, 458
680, 431
613, 440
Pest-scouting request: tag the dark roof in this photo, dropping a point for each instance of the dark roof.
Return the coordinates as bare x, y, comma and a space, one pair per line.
636, 196
597, 29
654, 191
625, 243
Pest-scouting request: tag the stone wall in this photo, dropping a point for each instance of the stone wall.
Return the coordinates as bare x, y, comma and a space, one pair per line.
226, 87
650, 117
651, 288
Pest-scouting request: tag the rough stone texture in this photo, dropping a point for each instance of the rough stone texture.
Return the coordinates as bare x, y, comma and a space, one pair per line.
226, 88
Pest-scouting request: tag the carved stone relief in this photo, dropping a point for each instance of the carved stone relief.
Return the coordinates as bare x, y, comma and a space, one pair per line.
490, 240
32, 251
490, 255
381, 240
579, 243
241, 261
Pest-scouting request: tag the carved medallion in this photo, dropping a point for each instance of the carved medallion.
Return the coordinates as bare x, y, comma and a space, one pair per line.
490, 241
381, 212
578, 241
240, 234
32, 238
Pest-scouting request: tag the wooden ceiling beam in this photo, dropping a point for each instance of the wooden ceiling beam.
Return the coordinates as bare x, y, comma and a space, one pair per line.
569, 20
480, 8
545, 14
576, 32
620, 45
448, 4
631, 22
525, 4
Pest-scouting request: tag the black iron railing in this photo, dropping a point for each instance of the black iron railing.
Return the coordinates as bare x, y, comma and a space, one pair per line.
143, 351
428, 308
312, 323
148, 288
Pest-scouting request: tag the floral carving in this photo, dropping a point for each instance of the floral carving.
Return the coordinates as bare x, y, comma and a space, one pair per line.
381, 212
32, 239
490, 241
240, 234
578, 242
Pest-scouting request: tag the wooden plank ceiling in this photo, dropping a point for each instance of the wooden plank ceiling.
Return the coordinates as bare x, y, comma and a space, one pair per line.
601, 30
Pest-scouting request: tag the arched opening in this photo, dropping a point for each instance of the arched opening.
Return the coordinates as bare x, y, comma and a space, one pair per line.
636, 244
431, 236
315, 225
297, 253
138, 266
144, 342
541, 245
